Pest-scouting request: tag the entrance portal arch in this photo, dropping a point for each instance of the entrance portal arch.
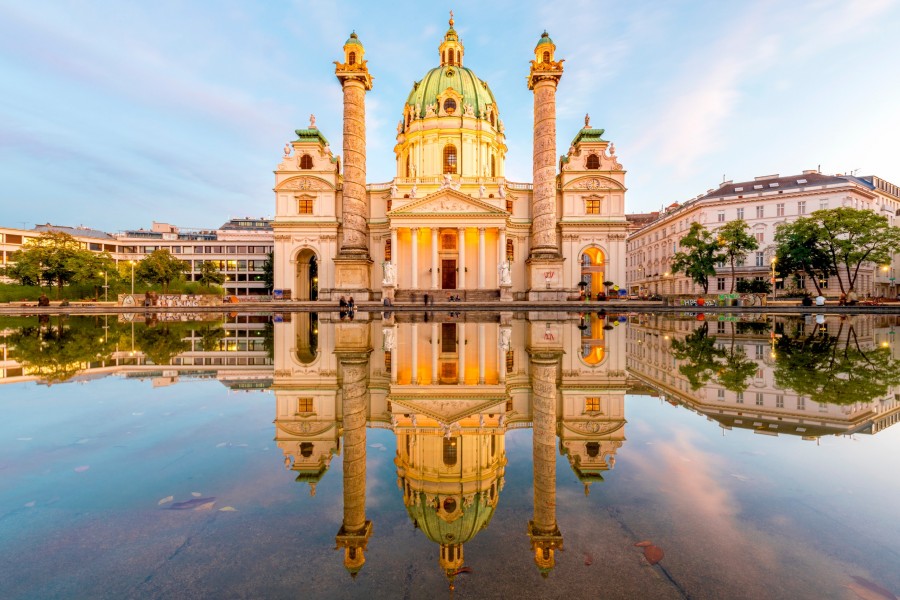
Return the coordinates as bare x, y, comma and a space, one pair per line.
307, 277
593, 270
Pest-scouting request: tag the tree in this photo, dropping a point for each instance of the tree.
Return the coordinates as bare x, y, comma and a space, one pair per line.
269, 271
699, 260
852, 237
798, 249
52, 252
161, 267
736, 242
210, 274
88, 268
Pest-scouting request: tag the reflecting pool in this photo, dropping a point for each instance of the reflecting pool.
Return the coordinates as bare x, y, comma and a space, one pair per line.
483, 455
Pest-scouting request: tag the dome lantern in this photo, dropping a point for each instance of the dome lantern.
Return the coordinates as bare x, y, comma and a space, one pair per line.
451, 49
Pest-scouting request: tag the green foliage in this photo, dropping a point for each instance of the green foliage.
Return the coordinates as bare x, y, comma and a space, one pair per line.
736, 242
210, 274
269, 271
699, 259
754, 286
162, 268
50, 258
699, 356
798, 249
94, 270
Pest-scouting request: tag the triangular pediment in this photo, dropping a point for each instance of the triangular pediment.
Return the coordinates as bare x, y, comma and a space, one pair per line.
448, 202
447, 408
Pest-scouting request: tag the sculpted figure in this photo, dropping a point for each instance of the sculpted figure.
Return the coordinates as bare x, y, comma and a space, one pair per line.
505, 276
448, 181
505, 334
469, 110
612, 149
388, 333
429, 111
389, 274
312, 121
287, 150
587, 121
481, 191
394, 191
413, 191
502, 191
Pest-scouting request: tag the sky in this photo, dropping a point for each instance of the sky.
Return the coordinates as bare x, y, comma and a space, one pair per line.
114, 114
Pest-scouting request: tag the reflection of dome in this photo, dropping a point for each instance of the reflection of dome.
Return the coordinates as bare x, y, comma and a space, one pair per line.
474, 91
442, 528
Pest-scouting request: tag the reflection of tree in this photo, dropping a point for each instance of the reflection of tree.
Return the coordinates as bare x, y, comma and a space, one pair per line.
211, 335
160, 342
735, 367
834, 369
702, 361
57, 351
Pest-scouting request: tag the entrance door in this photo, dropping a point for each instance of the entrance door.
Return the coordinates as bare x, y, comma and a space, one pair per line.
448, 274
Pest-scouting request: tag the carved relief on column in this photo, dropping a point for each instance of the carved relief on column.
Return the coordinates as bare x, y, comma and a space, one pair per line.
543, 226
355, 206
355, 395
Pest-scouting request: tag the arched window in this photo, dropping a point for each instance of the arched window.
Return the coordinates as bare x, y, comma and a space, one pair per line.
546, 57
306, 162
593, 161
351, 60
450, 159
450, 445
493, 166
306, 449
458, 58
449, 106
444, 57
408, 164
593, 449
510, 250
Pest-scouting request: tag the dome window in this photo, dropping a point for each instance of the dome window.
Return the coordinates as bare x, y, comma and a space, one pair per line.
306, 162
449, 106
351, 60
449, 505
546, 57
593, 161
450, 451
450, 159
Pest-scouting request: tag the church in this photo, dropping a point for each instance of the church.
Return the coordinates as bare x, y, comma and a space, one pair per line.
449, 224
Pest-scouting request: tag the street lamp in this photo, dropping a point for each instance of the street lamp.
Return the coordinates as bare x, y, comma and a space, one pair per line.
105, 286
774, 260
131, 262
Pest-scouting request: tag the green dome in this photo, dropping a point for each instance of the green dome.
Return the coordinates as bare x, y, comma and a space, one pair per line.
474, 518
545, 39
473, 90
353, 40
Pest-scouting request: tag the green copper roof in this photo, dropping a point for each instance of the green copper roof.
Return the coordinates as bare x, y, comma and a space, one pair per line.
545, 39
353, 40
588, 135
310, 135
473, 90
474, 518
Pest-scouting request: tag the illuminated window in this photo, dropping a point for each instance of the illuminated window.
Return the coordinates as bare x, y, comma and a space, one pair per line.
304, 405
450, 159
546, 57
509, 206
592, 206
305, 206
387, 250
449, 106
448, 241
510, 250
352, 58
306, 162
591, 404
593, 161
450, 451
493, 166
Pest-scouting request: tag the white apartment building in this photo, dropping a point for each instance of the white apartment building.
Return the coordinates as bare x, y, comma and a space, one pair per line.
763, 203
239, 248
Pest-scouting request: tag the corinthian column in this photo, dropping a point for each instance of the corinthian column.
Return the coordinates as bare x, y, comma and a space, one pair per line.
543, 530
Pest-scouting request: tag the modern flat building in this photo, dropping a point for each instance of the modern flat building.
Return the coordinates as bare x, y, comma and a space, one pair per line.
449, 223
763, 203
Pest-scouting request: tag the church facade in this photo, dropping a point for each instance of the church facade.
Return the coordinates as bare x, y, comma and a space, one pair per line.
449, 223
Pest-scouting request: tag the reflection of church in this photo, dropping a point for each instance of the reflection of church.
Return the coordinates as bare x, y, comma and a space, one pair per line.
449, 220
449, 390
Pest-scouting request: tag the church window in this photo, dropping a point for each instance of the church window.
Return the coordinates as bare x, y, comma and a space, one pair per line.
449, 507
387, 367
306, 449
593, 449
351, 60
493, 166
450, 447
305, 205
593, 161
306, 162
509, 206
449, 106
449, 159
458, 58
591, 404
448, 240
388, 205
304, 405
387, 250
546, 57
510, 367
510, 250
592, 206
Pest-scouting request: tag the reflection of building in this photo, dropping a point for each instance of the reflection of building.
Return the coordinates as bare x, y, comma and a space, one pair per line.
450, 388
738, 387
449, 219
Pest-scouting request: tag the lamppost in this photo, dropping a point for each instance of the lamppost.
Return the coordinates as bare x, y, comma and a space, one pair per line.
131, 262
774, 260
105, 286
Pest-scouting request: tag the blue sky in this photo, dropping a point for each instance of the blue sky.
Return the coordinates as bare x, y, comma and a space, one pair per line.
114, 114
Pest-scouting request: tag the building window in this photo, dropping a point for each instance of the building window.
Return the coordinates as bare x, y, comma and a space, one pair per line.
720, 394
387, 360
740, 397
801, 207
593, 161
760, 212
306, 162
720, 284
450, 451
449, 159
388, 205
759, 399
510, 366
740, 214
351, 60
779, 209
449, 106
823, 204
759, 259
305, 206
387, 250
591, 404
592, 206
510, 250
448, 240
801, 403
509, 205
304, 405
779, 401
721, 216
760, 236
546, 57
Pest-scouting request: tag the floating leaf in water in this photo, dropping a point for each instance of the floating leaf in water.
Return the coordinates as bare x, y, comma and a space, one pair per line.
653, 554
30, 504
644, 544
228, 509
140, 414
221, 445
196, 494
588, 559
869, 590
82, 469
194, 504
165, 500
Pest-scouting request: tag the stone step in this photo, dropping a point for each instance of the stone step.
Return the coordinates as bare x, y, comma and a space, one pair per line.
418, 296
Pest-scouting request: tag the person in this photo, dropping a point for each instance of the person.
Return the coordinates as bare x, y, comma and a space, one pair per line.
806, 301
350, 304
820, 300
842, 301
426, 299
43, 300
342, 302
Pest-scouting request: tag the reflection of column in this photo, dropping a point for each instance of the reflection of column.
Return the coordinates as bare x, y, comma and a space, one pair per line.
461, 351
501, 246
543, 530
355, 529
481, 262
394, 358
415, 353
415, 257
481, 353
434, 258
395, 255
461, 245
435, 343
